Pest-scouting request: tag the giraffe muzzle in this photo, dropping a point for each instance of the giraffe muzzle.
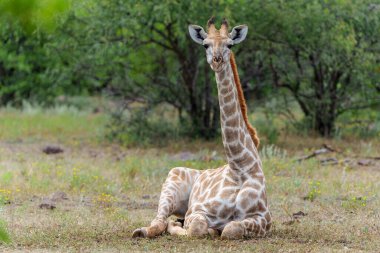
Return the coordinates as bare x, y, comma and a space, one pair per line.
217, 67
217, 59
217, 63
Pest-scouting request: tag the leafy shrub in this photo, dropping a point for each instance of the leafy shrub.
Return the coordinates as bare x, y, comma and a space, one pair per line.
354, 202
314, 190
364, 124
303, 126
82, 103
267, 129
141, 127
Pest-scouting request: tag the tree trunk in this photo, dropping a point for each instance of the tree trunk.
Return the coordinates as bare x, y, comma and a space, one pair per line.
324, 124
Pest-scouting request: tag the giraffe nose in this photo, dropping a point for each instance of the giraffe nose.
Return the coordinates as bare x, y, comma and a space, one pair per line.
217, 59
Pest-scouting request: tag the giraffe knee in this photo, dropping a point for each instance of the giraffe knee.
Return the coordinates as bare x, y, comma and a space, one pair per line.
233, 230
175, 171
198, 228
176, 174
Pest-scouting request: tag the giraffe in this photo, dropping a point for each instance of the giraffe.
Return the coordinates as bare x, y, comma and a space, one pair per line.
231, 200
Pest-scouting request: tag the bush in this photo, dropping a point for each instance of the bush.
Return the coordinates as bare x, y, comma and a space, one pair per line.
267, 122
141, 127
364, 124
267, 128
303, 126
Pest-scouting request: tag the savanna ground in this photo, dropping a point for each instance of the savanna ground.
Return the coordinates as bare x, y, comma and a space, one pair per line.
102, 191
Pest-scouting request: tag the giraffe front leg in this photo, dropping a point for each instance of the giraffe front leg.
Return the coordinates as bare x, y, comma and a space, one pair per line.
197, 226
173, 200
257, 225
233, 230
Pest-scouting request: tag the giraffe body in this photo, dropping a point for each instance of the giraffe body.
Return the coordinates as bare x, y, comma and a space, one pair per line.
230, 200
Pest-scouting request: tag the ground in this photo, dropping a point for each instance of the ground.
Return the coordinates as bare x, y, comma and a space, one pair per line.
90, 197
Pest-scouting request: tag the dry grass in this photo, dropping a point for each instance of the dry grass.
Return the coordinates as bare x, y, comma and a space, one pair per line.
112, 190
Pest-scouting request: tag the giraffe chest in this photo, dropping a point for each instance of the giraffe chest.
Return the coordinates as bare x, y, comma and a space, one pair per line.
221, 198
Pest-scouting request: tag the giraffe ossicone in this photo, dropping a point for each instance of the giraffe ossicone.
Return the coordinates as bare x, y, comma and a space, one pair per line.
230, 200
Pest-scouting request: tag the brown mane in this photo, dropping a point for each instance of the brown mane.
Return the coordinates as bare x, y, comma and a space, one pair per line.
243, 105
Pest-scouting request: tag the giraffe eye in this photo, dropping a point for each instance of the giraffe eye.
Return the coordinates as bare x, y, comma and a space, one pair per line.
206, 46
229, 46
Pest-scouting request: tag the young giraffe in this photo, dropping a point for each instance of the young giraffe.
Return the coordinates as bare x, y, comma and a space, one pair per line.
230, 199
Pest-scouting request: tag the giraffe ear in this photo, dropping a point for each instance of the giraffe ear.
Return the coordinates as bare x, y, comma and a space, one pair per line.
197, 33
239, 33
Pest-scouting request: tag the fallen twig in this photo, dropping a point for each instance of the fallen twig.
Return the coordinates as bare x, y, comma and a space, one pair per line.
295, 217
314, 154
326, 146
332, 160
329, 161
49, 150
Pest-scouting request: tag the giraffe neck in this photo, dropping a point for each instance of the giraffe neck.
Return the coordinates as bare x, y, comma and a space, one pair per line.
238, 142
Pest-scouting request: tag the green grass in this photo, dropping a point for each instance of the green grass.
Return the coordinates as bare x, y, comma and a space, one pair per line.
60, 124
113, 190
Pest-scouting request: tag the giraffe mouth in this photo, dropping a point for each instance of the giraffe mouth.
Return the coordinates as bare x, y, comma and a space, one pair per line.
217, 67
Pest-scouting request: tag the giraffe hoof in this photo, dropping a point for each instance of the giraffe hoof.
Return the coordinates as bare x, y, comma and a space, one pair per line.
139, 233
233, 231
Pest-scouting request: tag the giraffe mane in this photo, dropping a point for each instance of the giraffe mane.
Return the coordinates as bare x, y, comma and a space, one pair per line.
243, 105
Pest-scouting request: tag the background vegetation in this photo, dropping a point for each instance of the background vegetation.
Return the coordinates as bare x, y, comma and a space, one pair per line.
318, 57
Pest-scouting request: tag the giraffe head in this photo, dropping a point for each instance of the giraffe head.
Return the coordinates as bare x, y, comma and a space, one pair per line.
218, 43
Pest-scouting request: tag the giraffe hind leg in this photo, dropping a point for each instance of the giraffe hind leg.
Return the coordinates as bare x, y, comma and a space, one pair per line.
175, 228
173, 200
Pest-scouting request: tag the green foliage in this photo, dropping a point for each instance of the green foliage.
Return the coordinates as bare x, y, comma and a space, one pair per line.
140, 128
267, 129
6, 178
354, 202
4, 236
364, 124
5, 196
34, 13
29, 68
314, 190
324, 55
